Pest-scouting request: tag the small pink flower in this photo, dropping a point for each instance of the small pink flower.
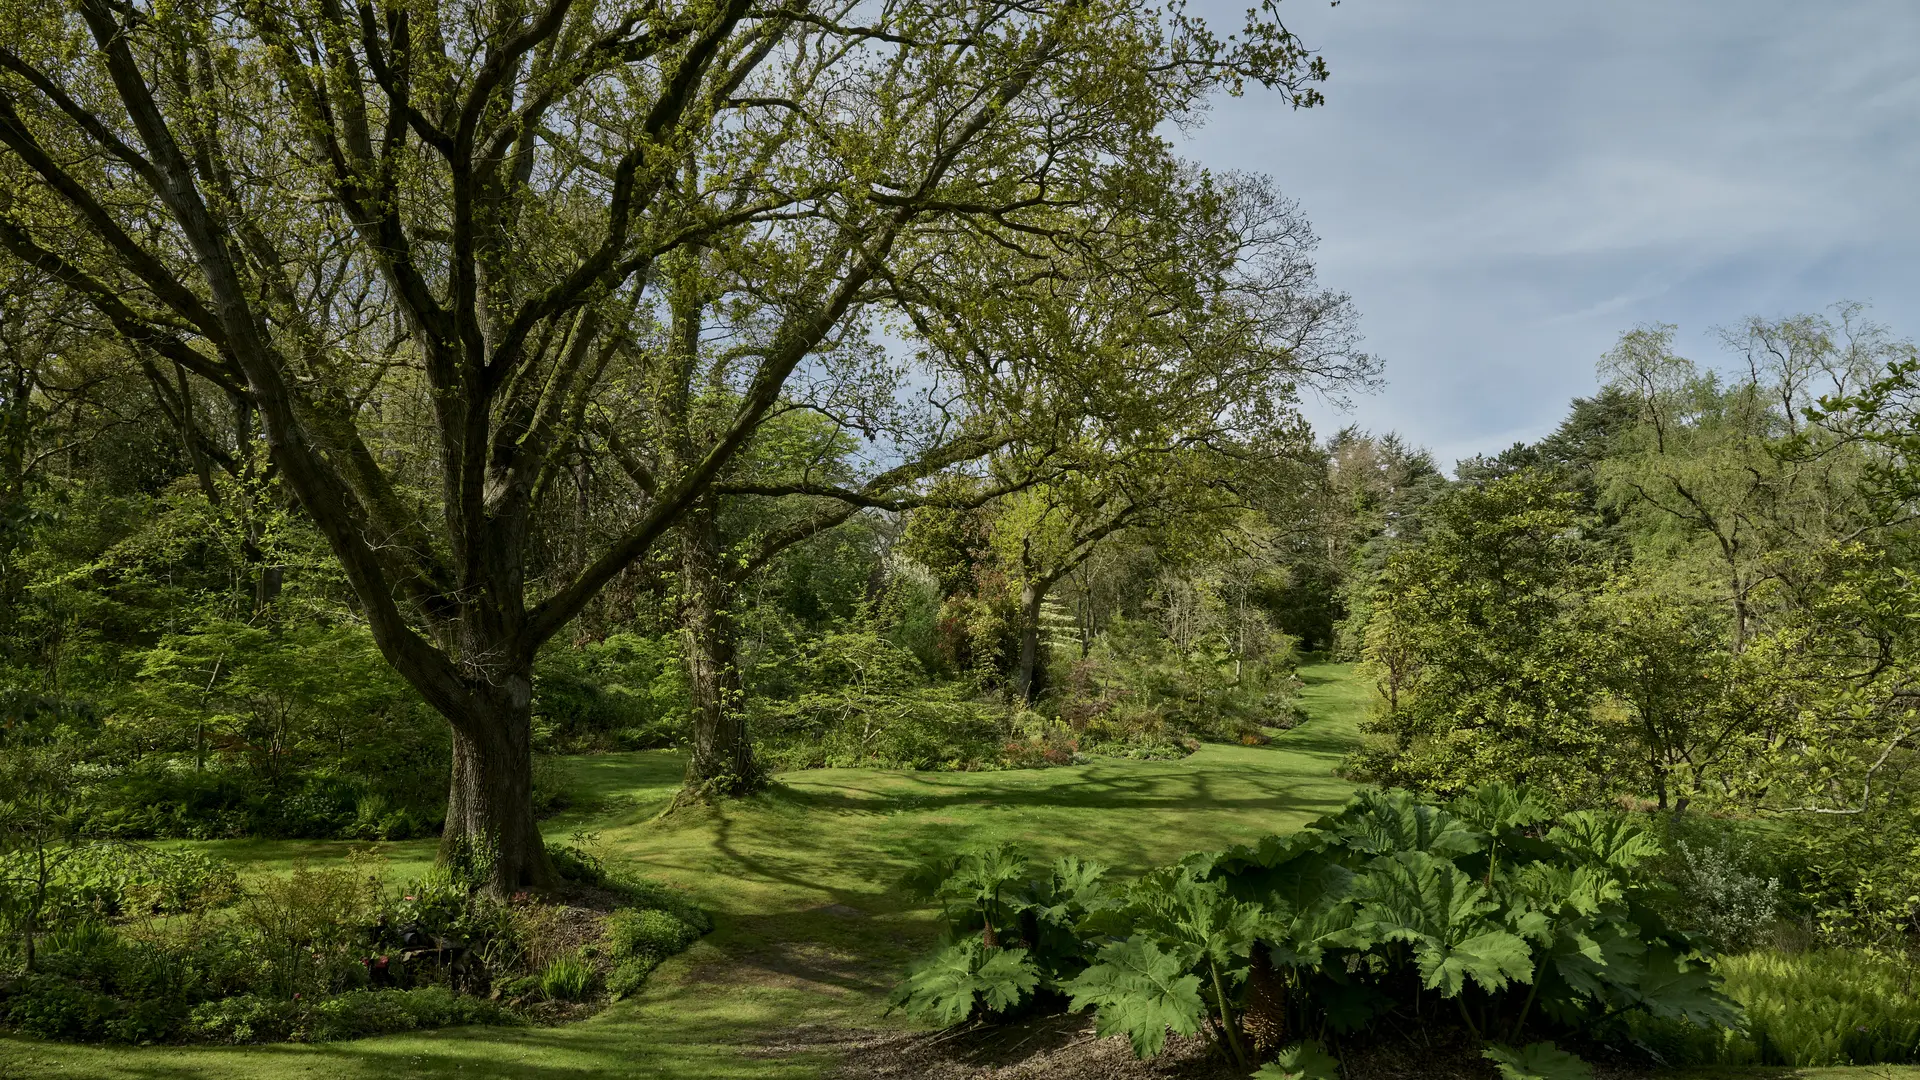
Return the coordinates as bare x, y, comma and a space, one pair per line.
296, 997
408, 898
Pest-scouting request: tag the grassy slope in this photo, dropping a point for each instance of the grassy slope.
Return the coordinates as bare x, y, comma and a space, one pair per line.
812, 925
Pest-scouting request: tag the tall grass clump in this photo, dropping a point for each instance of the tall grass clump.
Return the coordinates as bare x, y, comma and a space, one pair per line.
1816, 1008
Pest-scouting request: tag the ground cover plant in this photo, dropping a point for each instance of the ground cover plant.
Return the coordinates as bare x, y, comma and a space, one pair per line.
140, 946
1489, 913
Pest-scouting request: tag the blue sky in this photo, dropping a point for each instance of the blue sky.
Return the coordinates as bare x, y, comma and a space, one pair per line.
1505, 185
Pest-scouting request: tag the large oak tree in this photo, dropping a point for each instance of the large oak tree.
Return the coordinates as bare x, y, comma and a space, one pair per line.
428, 244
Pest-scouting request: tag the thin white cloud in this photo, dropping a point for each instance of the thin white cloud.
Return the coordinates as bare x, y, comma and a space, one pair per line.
1504, 185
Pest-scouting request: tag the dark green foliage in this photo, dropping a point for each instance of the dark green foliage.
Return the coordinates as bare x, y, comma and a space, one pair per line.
321, 953
855, 698
662, 923
250, 1018
1536, 1061
1139, 688
1485, 914
50, 1007
1302, 1061
1142, 992
101, 880
626, 977
95, 983
627, 692
968, 977
1010, 931
1486, 653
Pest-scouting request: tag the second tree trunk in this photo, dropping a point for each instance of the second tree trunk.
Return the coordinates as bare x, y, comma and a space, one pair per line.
721, 762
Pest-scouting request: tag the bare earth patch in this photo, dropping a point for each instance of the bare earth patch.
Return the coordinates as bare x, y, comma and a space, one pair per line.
1065, 1048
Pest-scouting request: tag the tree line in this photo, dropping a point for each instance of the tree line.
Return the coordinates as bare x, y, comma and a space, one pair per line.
1694, 596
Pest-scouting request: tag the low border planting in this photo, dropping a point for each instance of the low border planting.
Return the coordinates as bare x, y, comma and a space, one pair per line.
1488, 914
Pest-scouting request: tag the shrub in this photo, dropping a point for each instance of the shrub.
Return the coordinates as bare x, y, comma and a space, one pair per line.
310, 926
567, 978
50, 1007
100, 880
149, 1020
374, 1012
253, 1018
1484, 913
244, 1018
1137, 690
858, 699
288, 964
1719, 897
624, 693
648, 933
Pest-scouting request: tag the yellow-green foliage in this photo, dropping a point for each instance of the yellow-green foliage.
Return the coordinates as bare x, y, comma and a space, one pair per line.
308, 925
646, 933
568, 978
1826, 1007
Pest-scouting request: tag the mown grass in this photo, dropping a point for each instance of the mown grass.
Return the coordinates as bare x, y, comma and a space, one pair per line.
812, 925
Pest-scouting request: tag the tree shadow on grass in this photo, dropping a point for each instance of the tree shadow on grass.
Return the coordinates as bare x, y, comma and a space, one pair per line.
680, 1033
1082, 791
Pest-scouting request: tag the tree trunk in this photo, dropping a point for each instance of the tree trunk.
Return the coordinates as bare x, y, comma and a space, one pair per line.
1030, 674
1656, 760
1265, 1019
721, 764
490, 833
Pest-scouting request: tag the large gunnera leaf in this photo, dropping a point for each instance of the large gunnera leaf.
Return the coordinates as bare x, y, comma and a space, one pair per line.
1538, 1061
1301, 1061
1498, 806
1675, 988
948, 986
1384, 822
1492, 958
1607, 839
1427, 902
1141, 991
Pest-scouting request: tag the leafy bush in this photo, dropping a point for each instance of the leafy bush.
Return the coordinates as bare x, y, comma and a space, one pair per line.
1485, 914
50, 1007
245, 1018
627, 692
1140, 689
310, 926
857, 699
1719, 897
1825, 1007
648, 934
373, 1012
99, 880
330, 953
251, 1018
267, 727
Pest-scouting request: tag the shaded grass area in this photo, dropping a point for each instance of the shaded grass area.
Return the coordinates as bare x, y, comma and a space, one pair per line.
812, 924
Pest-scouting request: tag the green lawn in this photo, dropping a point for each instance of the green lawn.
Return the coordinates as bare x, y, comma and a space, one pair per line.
811, 924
